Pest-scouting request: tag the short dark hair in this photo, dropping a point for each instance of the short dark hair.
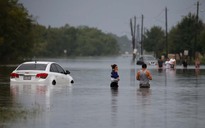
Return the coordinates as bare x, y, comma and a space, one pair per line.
113, 66
144, 66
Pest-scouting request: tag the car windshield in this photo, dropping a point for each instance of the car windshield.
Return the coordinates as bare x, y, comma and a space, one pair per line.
32, 67
149, 58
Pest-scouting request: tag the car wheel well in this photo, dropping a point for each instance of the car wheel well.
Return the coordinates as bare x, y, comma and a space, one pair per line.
53, 82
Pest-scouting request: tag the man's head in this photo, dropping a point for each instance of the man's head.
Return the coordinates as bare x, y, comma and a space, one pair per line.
144, 66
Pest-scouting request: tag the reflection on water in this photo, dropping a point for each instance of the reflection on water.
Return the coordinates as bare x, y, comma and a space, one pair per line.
144, 97
25, 104
14, 107
144, 92
114, 106
175, 99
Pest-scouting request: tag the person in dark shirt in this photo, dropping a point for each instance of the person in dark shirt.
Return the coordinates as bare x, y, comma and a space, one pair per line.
114, 76
160, 63
184, 63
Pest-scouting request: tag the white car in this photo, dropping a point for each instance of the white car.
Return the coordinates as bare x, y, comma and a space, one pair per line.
147, 59
40, 72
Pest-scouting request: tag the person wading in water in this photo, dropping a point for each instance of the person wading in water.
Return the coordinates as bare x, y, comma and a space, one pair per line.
144, 76
114, 76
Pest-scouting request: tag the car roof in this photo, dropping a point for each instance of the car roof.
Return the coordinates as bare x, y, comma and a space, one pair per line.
146, 55
38, 62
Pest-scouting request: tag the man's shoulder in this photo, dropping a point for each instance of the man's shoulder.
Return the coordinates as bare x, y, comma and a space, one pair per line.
139, 71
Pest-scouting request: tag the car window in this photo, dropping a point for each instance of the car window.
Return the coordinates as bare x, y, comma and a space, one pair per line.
141, 58
149, 58
59, 68
32, 67
53, 68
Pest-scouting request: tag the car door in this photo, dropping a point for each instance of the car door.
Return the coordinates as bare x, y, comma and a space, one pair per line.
55, 73
62, 75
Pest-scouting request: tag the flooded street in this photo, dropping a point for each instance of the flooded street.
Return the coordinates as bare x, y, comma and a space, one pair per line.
175, 99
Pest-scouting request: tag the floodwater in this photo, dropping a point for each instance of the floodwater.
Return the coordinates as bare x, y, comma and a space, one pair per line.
175, 99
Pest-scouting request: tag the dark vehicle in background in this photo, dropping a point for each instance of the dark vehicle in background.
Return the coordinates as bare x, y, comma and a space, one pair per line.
147, 59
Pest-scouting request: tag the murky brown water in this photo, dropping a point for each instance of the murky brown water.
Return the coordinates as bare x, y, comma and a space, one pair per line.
175, 99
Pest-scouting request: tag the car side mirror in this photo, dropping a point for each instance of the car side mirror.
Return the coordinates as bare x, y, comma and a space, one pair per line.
67, 72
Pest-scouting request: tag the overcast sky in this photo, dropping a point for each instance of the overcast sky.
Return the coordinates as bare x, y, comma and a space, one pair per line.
111, 15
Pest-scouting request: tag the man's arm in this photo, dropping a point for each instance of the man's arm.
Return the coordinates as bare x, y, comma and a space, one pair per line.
149, 76
138, 75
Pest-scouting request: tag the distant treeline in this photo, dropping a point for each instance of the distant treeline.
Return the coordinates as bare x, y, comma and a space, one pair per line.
21, 37
71, 41
188, 34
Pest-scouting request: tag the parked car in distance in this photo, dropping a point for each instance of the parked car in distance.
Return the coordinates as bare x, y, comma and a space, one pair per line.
41, 72
147, 59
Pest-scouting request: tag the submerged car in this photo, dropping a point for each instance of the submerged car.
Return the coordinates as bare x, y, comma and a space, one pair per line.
41, 72
147, 59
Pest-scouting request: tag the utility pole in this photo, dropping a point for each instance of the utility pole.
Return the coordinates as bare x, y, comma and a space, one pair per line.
196, 32
138, 37
166, 34
142, 35
133, 31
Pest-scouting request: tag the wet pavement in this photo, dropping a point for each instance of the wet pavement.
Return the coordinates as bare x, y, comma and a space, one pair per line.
175, 99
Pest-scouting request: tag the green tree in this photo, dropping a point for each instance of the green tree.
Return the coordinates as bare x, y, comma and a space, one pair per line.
55, 42
124, 43
70, 38
182, 37
201, 44
154, 40
93, 42
81, 41
39, 35
15, 28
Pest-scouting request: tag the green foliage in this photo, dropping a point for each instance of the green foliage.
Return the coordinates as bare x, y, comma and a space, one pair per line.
82, 41
201, 44
182, 37
39, 35
15, 28
92, 42
70, 41
154, 40
124, 43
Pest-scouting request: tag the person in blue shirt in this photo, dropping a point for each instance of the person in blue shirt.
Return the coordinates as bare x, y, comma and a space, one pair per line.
114, 76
